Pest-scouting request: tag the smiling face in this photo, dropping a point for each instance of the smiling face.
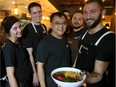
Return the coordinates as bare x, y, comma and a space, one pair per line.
77, 20
59, 26
36, 14
92, 14
15, 31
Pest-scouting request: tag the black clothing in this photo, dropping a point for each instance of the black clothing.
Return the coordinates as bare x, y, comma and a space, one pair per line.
111, 73
31, 38
17, 56
49, 31
67, 32
2, 69
89, 52
73, 41
54, 53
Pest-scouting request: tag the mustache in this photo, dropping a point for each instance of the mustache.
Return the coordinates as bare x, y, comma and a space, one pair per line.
76, 23
89, 19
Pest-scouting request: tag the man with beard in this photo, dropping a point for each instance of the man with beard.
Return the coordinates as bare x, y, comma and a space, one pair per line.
97, 47
73, 39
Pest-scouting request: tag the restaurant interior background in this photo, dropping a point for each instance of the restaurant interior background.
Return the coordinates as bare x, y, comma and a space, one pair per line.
8, 7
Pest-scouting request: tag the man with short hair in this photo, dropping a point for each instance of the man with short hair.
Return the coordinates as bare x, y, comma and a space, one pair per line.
33, 34
97, 47
53, 52
77, 23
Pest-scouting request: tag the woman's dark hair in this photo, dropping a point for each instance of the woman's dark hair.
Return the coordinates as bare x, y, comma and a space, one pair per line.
65, 11
2, 24
33, 4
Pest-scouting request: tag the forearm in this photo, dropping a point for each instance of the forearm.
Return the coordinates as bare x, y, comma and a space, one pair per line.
12, 81
11, 76
98, 72
33, 65
35, 79
42, 79
41, 76
30, 50
93, 77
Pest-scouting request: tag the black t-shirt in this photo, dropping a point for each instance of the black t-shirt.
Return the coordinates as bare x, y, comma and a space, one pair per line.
16, 56
31, 38
54, 53
2, 64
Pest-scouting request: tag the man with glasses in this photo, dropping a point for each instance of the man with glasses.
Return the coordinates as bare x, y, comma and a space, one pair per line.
53, 52
33, 34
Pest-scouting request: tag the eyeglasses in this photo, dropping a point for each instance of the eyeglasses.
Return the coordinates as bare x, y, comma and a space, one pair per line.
57, 23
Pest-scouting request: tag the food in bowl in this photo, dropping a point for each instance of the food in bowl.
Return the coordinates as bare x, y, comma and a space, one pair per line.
67, 76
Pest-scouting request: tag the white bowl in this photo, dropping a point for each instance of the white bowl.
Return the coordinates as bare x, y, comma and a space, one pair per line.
67, 84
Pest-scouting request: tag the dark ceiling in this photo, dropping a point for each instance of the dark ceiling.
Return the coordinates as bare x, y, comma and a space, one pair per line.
73, 5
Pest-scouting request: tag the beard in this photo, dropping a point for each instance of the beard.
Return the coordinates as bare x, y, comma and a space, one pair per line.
96, 22
77, 27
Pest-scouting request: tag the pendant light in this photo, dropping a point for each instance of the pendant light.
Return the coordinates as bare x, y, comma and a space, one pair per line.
15, 11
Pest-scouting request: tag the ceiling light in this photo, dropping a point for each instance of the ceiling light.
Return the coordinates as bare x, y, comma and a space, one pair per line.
80, 8
16, 11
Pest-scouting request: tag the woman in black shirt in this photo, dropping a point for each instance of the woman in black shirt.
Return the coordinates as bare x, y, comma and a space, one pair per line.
17, 63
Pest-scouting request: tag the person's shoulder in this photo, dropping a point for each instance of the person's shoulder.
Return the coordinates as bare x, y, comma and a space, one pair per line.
110, 33
28, 29
83, 30
43, 24
8, 45
46, 41
47, 37
28, 26
108, 38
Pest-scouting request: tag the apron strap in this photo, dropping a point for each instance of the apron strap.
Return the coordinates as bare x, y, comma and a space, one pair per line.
97, 42
79, 50
43, 27
34, 27
84, 35
106, 33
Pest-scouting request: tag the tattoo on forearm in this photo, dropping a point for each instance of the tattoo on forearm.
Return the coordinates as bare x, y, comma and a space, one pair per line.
90, 74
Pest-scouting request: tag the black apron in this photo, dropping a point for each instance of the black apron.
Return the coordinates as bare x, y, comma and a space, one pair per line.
86, 58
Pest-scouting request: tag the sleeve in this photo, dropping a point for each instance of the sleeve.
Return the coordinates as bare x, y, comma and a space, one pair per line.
106, 48
9, 55
27, 38
42, 51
